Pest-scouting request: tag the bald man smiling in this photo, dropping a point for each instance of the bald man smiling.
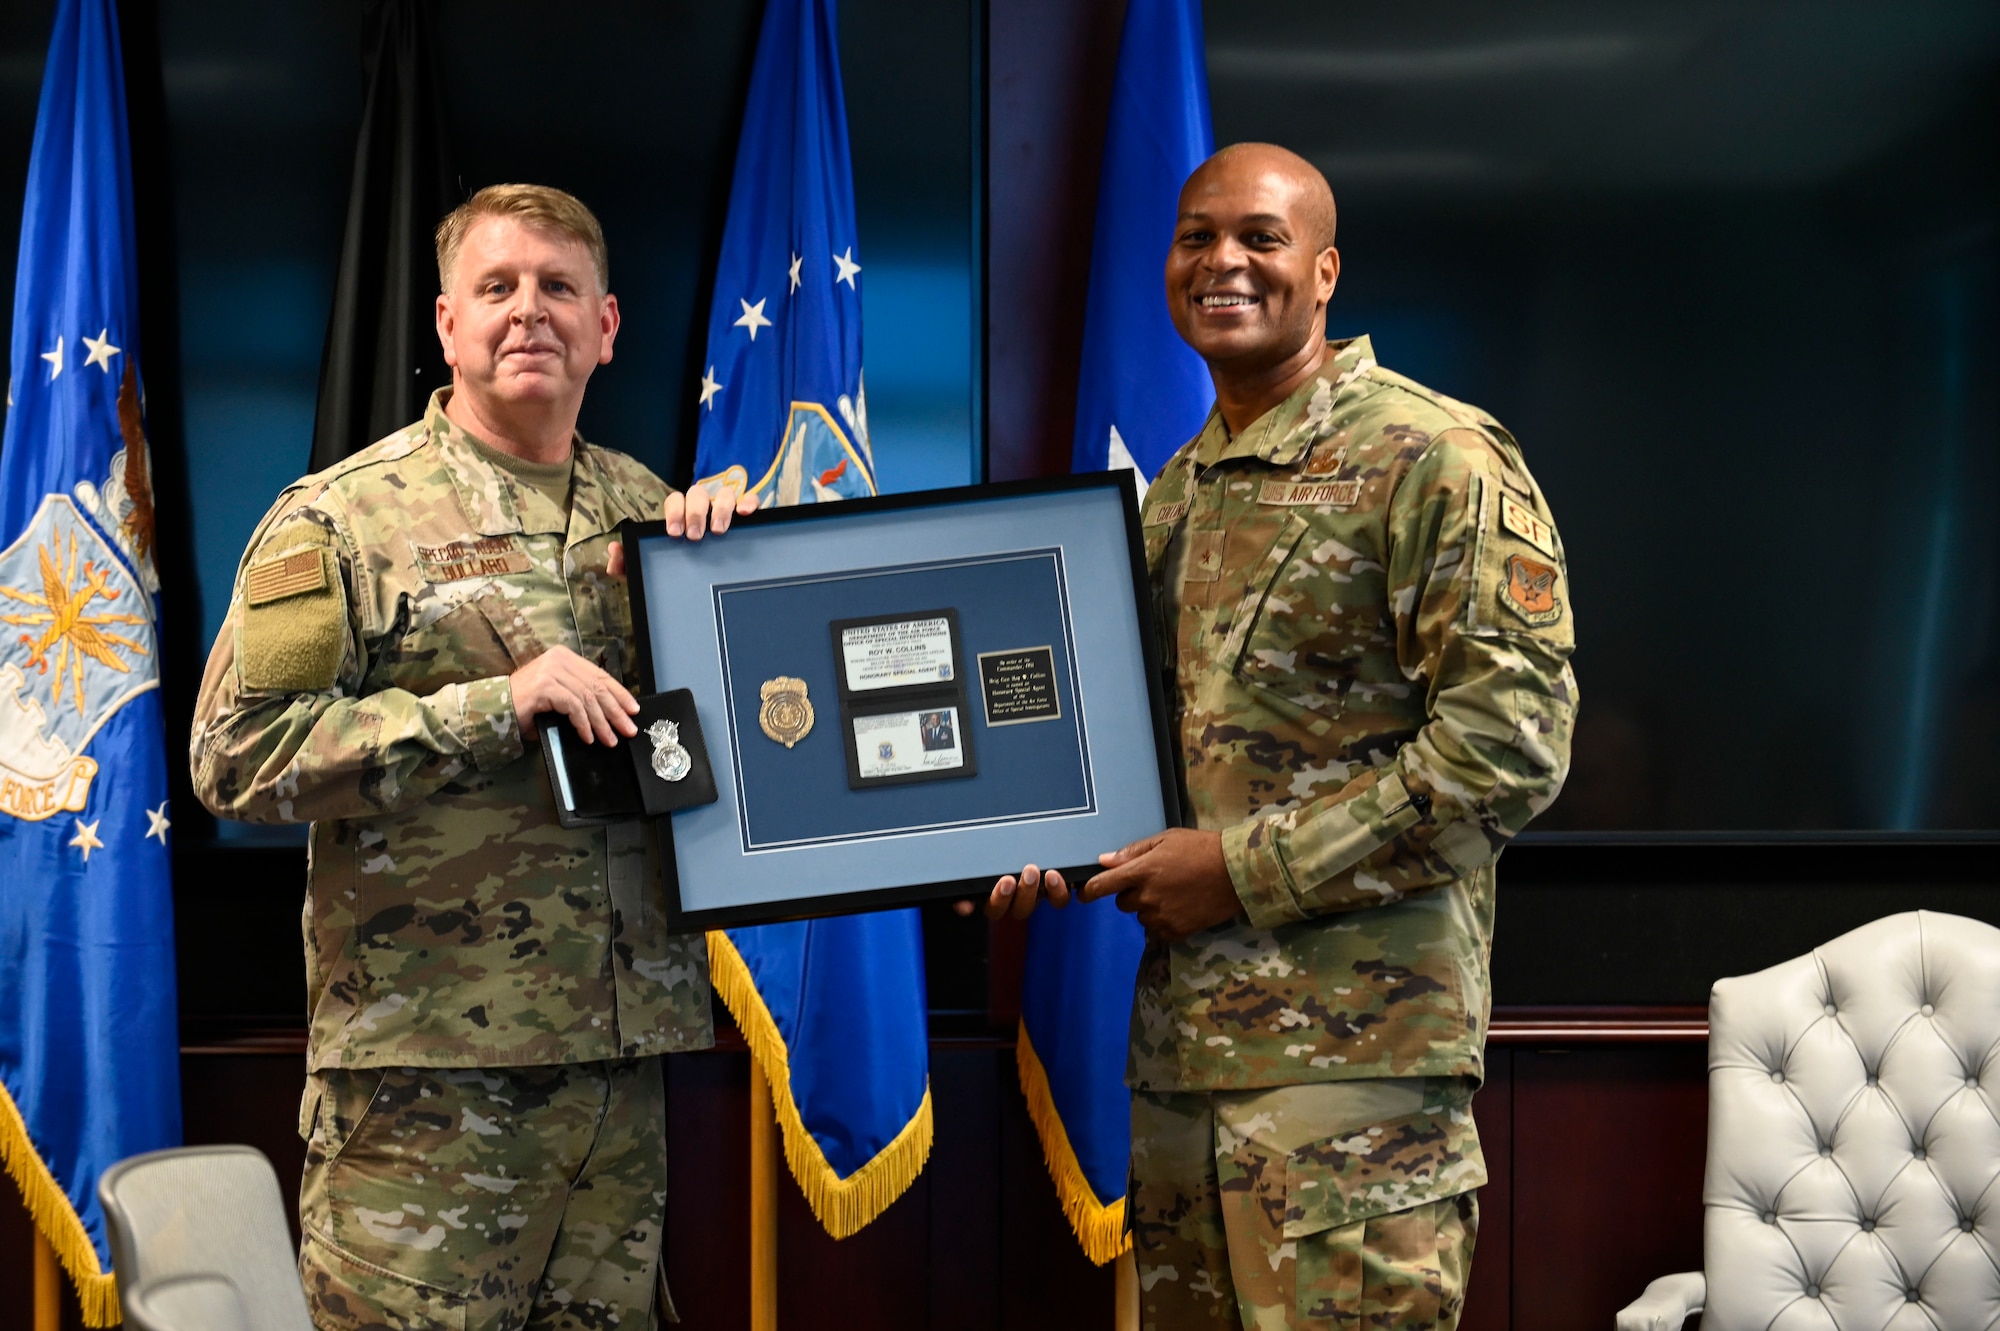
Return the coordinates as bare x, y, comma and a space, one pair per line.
1366, 609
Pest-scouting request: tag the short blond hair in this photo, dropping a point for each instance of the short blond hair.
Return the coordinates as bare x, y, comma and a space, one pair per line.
534, 205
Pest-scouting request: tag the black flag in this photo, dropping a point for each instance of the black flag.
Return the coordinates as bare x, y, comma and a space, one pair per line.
382, 360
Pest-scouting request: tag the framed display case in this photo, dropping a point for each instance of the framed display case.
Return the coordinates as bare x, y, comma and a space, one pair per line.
904, 698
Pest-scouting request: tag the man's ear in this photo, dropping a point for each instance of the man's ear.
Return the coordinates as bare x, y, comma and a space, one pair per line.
607, 319
445, 325
1329, 273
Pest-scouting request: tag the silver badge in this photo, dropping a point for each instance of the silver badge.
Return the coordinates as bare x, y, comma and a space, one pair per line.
670, 760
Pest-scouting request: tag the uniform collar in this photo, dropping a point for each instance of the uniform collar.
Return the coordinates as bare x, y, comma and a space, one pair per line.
491, 498
597, 502
1286, 433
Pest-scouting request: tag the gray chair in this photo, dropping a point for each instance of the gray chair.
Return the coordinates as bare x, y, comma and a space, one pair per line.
1853, 1140
186, 1303
200, 1242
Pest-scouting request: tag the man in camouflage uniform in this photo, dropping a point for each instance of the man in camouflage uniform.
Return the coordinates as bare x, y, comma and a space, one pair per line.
1368, 619
488, 991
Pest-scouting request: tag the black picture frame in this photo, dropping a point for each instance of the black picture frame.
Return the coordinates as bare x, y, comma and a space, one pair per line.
1158, 785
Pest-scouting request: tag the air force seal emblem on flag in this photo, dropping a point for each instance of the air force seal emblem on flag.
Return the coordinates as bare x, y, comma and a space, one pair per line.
784, 415
80, 647
833, 1009
89, 1060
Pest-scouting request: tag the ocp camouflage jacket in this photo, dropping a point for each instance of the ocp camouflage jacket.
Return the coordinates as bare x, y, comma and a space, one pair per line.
1372, 695
360, 683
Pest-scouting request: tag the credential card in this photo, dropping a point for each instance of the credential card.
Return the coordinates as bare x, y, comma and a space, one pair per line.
902, 744
897, 653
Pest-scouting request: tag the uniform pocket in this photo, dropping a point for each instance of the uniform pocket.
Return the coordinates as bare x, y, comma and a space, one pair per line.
346, 1099
1267, 636
345, 1290
1287, 640
1385, 1271
461, 645
1157, 537
602, 607
346, 1293
611, 655
1428, 1151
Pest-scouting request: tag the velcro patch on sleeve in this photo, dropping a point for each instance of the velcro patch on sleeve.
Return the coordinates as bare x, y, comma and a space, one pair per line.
292, 639
284, 576
1519, 519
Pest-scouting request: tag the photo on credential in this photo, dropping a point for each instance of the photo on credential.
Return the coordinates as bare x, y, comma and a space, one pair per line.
937, 731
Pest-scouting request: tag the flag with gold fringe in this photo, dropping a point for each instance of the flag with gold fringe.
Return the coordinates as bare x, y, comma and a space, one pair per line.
89, 1064
1141, 394
833, 1009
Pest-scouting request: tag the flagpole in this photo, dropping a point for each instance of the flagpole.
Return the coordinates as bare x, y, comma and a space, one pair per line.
1126, 1304
48, 1284
763, 1203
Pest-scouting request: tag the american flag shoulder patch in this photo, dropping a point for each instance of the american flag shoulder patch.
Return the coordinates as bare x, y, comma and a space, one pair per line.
286, 575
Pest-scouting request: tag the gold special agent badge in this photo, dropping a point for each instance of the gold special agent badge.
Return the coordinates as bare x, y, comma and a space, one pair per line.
787, 714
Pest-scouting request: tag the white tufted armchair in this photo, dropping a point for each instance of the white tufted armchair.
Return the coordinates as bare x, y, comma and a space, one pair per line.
1853, 1140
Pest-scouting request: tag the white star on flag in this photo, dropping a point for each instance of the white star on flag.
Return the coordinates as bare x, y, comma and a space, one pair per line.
709, 388
848, 268
158, 819
753, 317
101, 350
55, 358
86, 838
796, 261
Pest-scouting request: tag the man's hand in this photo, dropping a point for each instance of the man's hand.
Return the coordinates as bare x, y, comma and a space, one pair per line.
1176, 882
561, 681
697, 512
1016, 897
688, 515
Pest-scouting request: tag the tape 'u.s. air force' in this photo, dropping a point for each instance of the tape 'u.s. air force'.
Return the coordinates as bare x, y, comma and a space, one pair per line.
1330, 494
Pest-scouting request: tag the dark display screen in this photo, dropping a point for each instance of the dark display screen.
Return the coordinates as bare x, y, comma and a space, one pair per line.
1729, 274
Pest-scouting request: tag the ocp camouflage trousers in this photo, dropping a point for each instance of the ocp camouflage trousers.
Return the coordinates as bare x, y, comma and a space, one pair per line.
1217, 1175
482, 1198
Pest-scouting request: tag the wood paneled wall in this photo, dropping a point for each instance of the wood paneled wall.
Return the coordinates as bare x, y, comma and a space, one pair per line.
1594, 1123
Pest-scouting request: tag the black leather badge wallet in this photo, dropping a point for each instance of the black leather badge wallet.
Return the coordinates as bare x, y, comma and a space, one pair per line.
662, 768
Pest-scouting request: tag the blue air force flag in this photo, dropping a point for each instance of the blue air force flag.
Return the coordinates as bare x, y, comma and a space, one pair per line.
1142, 394
88, 1057
834, 1009
1141, 391
782, 408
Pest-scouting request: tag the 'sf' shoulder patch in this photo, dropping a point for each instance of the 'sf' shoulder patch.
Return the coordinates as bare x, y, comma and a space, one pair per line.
1521, 520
